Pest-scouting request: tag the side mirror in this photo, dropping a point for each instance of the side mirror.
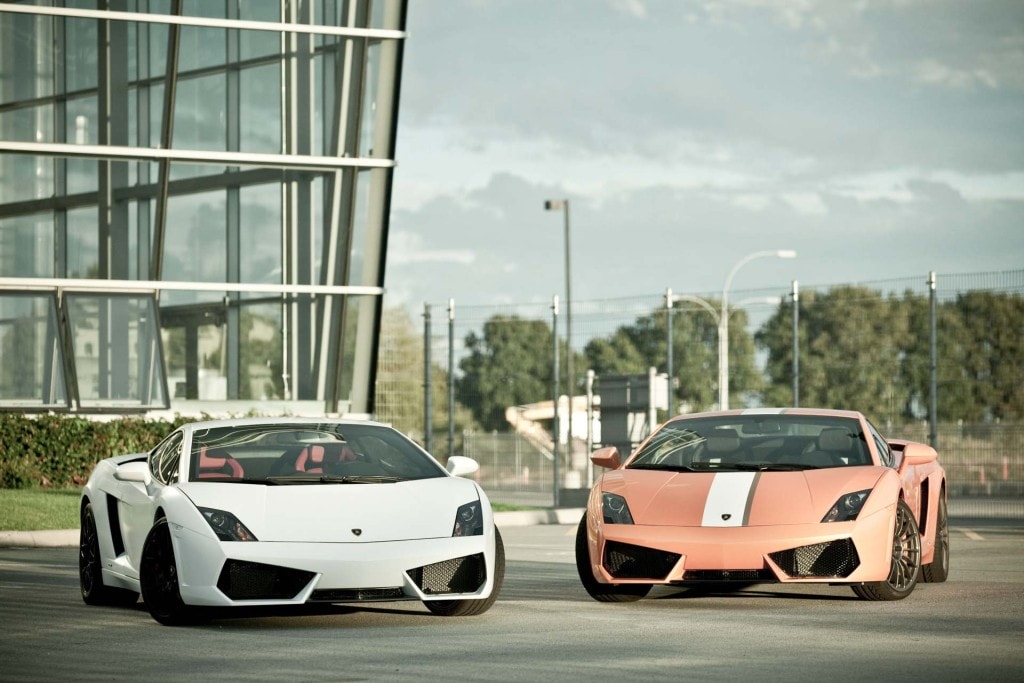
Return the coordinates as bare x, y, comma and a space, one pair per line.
919, 454
133, 471
461, 466
607, 457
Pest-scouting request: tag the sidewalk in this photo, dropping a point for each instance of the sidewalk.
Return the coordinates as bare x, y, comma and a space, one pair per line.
68, 538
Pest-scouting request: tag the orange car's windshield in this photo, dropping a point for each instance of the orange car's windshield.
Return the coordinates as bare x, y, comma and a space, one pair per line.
755, 442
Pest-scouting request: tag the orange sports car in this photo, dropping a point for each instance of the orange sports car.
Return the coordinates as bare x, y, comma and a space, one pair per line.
768, 495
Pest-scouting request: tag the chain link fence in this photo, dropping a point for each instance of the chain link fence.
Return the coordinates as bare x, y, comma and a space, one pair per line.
863, 346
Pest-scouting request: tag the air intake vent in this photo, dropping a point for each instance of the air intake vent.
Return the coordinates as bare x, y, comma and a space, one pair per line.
356, 594
625, 561
459, 575
726, 575
254, 581
834, 559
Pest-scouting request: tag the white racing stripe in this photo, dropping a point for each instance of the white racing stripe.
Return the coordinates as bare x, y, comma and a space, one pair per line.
729, 497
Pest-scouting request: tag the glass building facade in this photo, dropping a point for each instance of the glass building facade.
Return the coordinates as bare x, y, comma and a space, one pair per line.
194, 200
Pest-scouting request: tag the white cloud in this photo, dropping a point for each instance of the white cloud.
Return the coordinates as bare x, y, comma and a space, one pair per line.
634, 8
407, 248
933, 72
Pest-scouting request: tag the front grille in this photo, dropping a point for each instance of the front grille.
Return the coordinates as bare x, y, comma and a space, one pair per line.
625, 561
726, 575
834, 559
356, 594
459, 575
255, 581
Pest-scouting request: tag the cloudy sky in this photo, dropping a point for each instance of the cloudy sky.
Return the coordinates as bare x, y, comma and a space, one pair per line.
878, 138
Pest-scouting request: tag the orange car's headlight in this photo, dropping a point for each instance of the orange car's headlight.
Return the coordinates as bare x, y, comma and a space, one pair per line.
615, 510
847, 507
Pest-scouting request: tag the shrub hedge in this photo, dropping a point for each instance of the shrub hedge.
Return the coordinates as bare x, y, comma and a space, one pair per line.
60, 451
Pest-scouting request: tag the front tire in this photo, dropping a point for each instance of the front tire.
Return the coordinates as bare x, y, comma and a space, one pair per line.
905, 565
602, 592
158, 577
90, 567
471, 608
938, 569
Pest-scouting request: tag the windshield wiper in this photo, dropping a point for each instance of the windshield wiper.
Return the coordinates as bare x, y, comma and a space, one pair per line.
264, 482
770, 466
331, 479
663, 467
788, 467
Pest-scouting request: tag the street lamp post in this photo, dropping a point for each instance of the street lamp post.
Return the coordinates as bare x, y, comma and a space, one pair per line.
563, 205
723, 322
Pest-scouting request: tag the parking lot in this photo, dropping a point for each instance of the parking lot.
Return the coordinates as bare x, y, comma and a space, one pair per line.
544, 627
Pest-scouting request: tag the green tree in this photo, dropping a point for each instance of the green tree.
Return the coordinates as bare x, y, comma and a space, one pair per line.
952, 343
632, 349
851, 351
399, 389
993, 361
508, 364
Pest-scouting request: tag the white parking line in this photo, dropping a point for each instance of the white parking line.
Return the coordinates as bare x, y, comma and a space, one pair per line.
972, 535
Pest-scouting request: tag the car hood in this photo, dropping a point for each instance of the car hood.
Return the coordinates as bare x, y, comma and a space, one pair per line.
735, 498
325, 513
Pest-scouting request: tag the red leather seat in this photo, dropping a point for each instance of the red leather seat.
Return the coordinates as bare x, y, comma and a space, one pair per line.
214, 464
313, 459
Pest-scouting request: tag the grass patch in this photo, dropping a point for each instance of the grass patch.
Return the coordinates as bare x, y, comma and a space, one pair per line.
39, 509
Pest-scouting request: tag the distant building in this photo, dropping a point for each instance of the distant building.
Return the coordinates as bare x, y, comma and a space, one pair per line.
194, 203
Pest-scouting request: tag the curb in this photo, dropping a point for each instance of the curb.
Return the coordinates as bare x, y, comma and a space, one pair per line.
68, 538
56, 538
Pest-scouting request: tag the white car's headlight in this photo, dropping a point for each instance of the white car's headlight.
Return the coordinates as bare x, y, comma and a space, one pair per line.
847, 507
615, 510
226, 525
469, 520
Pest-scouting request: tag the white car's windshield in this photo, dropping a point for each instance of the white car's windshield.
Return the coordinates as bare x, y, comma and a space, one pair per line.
325, 453
755, 442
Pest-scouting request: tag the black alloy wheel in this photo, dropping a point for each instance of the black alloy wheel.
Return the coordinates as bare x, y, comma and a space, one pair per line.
158, 576
90, 567
470, 608
602, 592
905, 564
937, 570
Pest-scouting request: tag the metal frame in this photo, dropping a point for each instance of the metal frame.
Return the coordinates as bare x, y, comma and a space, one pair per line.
320, 348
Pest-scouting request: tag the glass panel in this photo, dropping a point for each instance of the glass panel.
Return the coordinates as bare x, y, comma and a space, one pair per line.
200, 118
260, 366
260, 95
195, 246
83, 259
82, 119
259, 43
116, 350
24, 176
360, 229
28, 41
26, 246
368, 113
32, 372
28, 124
259, 250
202, 47
80, 67
195, 339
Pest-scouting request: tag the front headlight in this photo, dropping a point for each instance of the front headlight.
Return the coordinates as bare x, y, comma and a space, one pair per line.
615, 510
847, 507
226, 525
469, 520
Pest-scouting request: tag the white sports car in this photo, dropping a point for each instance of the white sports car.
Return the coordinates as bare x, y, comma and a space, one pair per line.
287, 511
